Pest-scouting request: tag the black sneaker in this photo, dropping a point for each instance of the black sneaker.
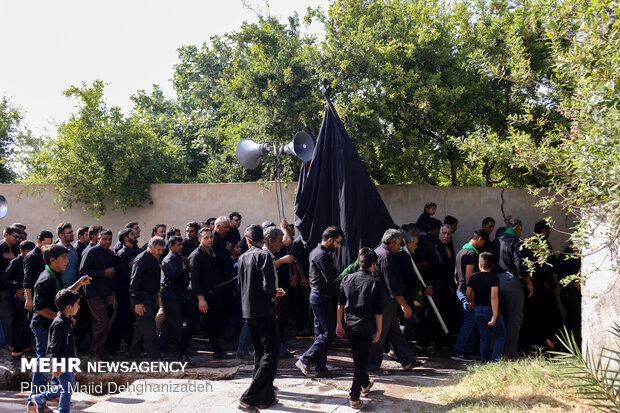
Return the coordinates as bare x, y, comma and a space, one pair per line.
461, 357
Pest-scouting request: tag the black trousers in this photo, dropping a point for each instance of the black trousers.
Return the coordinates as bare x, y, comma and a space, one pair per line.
22, 336
122, 324
145, 330
266, 339
174, 307
360, 348
214, 318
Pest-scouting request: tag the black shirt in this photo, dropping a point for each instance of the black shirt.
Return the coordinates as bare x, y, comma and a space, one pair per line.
405, 267
233, 235
45, 290
363, 296
464, 258
14, 274
387, 269
95, 261
79, 247
189, 246
257, 283
173, 276
61, 343
323, 273
440, 266
145, 277
124, 257
203, 273
302, 254
568, 265
223, 259
33, 267
4, 262
422, 221
284, 271
481, 283
508, 253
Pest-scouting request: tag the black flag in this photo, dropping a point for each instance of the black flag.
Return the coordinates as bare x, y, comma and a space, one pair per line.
337, 190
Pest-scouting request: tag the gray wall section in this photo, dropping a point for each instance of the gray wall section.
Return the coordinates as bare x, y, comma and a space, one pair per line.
176, 204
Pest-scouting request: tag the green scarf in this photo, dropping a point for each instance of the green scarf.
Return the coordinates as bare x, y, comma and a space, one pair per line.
511, 232
49, 270
468, 246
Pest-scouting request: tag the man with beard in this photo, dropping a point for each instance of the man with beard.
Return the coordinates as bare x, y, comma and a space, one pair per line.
65, 238
323, 275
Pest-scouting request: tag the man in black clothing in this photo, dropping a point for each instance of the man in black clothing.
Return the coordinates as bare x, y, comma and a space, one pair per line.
323, 275
302, 304
144, 285
46, 287
466, 263
9, 249
257, 284
93, 237
222, 253
361, 302
488, 225
569, 264
202, 297
82, 242
174, 283
122, 323
99, 262
34, 266
423, 220
512, 277
191, 242
14, 278
135, 227
387, 270
233, 235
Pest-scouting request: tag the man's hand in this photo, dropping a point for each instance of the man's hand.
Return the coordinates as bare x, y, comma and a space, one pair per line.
530, 287
139, 309
376, 336
229, 247
428, 291
280, 292
284, 226
20, 295
109, 273
407, 311
294, 281
203, 306
110, 299
28, 305
492, 322
304, 281
339, 330
8, 255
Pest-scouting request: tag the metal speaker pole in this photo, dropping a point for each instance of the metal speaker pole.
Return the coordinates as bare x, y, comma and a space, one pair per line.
4, 206
302, 146
250, 152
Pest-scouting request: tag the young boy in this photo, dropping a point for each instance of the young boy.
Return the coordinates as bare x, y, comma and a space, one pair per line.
61, 345
361, 300
483, 292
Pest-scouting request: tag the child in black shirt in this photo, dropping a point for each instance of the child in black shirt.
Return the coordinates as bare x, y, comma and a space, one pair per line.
483, 292
361, 300
61, 345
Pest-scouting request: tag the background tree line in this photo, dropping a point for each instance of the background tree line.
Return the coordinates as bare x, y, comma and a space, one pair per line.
499, 93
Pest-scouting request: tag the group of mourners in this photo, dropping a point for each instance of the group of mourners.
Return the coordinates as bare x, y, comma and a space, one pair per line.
157, 296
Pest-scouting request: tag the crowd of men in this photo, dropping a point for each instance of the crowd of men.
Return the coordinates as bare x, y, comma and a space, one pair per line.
156, 295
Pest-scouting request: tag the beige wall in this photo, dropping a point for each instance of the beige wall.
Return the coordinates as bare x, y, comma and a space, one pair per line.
176, 204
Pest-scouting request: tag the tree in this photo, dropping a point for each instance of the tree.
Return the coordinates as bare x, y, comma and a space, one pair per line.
101, 155
10, 133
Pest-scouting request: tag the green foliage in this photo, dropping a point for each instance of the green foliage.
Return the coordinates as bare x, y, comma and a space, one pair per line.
10, 133
595, 378
101, 155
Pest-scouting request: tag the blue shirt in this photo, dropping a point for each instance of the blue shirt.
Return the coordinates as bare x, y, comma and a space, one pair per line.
70, 274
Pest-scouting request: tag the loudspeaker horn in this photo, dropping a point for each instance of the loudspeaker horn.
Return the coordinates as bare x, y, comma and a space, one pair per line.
4, 206
301, 146
250, 152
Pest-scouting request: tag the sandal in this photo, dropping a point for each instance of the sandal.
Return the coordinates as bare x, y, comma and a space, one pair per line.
357, 406
249, 408
366, 390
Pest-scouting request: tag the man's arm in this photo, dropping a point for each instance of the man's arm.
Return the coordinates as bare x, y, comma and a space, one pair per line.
326, 266
269, 276
287, 240
470, 295
88, 262
494, 305
339, 320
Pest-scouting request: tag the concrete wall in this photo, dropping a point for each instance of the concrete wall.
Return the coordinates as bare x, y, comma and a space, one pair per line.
176, 204
600, 294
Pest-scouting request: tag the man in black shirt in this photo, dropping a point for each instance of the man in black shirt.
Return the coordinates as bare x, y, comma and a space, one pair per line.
9, 249
387, 270
34, 266
93, 237
302, 304
222, 253
512, 278
144, 285
45, 289
174, 281
14, 278
361, 302
257, 284
466, 262
135, 227
191, 242
122, 323
82, 242
233, 235
99, 262
323, 291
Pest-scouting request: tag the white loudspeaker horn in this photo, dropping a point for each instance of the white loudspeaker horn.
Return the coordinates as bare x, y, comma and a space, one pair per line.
301, 146
250, 152
4, 206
